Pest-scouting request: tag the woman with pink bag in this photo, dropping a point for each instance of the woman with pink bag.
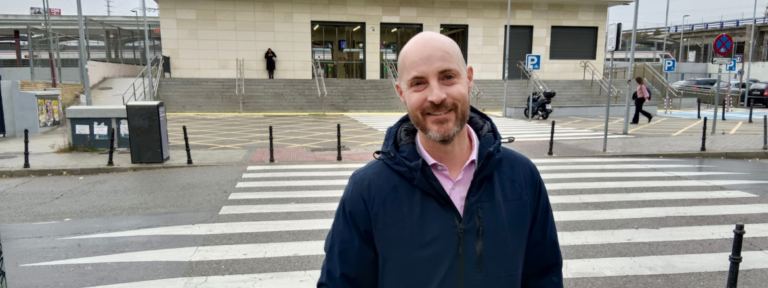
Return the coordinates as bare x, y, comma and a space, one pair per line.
641, 97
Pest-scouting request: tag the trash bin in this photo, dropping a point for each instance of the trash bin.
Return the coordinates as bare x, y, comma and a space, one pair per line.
148, 127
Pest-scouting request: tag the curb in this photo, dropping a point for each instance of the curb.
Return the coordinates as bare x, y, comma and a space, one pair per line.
86, 170
758, 154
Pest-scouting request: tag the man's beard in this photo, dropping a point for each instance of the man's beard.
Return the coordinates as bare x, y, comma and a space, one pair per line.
462, 116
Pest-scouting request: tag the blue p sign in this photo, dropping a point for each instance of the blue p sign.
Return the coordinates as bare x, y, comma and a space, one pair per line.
533, 62
669, 65
731, 66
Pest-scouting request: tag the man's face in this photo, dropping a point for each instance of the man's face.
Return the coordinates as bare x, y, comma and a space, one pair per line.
435, 86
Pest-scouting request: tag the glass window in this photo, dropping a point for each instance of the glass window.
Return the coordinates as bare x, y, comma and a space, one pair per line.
393, 37
573, 43
340, 49
459, 34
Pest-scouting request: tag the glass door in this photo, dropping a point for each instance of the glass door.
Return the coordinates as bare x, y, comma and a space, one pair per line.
393, 37
340, 48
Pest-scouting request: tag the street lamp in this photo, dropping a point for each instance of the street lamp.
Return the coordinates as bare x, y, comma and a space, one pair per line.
138, 28
680, 57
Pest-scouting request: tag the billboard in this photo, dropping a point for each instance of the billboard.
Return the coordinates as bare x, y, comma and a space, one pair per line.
39, 11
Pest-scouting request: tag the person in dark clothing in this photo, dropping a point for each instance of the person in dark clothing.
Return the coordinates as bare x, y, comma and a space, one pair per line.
271, 57
641, 98
444, 205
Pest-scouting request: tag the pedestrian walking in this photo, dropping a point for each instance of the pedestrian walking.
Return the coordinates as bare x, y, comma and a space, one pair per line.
444, 205
641, 96
271, 58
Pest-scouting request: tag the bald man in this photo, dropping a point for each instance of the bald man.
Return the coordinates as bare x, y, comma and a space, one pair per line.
444, 205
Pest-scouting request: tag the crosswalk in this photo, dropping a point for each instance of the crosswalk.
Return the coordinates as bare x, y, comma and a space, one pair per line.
600, 204
520, 129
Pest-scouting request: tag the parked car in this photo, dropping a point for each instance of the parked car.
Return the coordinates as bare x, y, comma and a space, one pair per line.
702, 83
678, 84
733, 87
759, 92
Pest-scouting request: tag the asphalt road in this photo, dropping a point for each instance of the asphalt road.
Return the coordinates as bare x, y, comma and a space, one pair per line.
220, 226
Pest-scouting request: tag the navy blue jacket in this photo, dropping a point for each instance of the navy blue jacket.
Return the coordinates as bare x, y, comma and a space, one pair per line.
397, 227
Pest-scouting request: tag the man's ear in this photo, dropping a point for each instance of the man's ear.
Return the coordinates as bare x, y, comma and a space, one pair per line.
471, 78
400, 92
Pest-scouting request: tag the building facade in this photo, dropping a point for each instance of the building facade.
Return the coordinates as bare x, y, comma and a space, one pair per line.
353, 38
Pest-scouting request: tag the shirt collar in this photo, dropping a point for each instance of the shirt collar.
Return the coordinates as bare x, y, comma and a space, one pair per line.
472, 156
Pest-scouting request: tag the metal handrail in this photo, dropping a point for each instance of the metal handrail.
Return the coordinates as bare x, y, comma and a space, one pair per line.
657, 76
601, 80
391, 67
240, 80
319, 79
475, 93
539, 85
156, 70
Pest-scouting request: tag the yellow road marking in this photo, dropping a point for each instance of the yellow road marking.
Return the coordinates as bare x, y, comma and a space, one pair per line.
686, 128
601, 125
570, 122
736, 128
646, 125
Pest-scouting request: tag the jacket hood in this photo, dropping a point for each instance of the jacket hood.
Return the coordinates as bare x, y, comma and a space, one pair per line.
400, 153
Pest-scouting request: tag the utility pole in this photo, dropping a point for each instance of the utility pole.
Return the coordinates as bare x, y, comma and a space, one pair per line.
146, 47
47, 15
664, 56
81, 55
625, 131
506, 60
751, 47
682, 31
109, 7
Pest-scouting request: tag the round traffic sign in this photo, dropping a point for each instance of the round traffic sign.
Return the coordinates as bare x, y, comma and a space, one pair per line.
723, 44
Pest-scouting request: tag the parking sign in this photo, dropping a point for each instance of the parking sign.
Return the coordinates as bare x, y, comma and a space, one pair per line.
731, 66
669, 65
532, 62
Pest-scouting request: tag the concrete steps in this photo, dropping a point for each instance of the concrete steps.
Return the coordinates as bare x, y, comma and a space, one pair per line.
300, 95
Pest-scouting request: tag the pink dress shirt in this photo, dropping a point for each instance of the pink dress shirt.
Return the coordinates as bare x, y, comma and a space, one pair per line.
456, 188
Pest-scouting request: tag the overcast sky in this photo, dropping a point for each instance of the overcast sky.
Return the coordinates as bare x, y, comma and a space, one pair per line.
651, 11
69, 7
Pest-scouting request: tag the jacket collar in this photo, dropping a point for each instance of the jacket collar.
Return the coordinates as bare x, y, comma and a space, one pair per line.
400, 153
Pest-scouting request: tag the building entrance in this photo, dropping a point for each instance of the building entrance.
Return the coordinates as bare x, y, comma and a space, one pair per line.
340, 49
393, 37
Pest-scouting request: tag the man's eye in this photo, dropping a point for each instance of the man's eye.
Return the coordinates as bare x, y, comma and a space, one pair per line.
449, 77
417, 83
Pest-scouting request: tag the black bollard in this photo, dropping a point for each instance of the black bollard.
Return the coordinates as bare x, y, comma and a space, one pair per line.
186, 142
551, 138
26, 148
271, 149
765, 132
698, 108
750, 110
704, 136
338, 142
735, 258
723, 117
111, 147
3, 280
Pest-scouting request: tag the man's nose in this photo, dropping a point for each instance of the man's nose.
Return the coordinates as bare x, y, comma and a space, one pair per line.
436, 94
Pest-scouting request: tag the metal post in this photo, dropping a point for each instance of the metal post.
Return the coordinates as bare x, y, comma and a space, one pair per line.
724, 107
26, 148
338, 142
111, 147
608, 105
3, 278
30, 47
58, 58
271, 148
765, 132
47, 15
82, 55
149, 60
17, 41
750, 110
551, 138
530, 96
631, 69
506, 60
717, 97
698, 108
682, 31
186, 143
704, 136
735, 258
751, 43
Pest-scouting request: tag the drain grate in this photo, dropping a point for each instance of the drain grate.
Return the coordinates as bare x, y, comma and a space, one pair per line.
104, 88
3, 157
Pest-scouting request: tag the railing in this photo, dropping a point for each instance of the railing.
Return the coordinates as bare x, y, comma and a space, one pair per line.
156, 71
539, 85
705, 25
391, 68
240, 81
658, 81
475, 93
317, 70
598, 76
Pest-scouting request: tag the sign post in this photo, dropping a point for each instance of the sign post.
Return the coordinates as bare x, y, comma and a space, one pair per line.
613, 43
723, 46
669, 66
532, 62
731, 67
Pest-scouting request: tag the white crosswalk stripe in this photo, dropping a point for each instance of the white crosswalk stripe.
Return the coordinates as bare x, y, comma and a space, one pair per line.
272, 191
522, 130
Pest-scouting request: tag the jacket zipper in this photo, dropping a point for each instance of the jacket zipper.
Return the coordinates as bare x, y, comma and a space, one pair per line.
461, 253
479, 243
